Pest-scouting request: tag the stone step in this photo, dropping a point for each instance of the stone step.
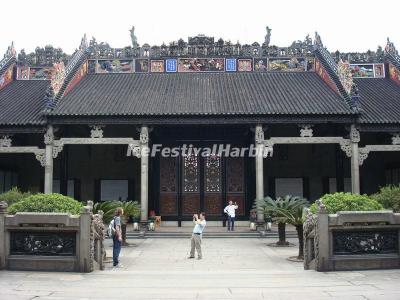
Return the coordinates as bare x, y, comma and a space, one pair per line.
155, 234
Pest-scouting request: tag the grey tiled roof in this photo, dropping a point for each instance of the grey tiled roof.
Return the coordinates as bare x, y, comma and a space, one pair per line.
201, 94
379, 100
21, 102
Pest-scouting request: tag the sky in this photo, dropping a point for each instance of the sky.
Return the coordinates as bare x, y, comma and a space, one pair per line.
347, 25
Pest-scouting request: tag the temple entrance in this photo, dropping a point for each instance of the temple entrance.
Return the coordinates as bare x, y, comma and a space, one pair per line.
193, 183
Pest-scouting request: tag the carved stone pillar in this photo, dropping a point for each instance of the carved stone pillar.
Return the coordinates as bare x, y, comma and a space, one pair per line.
355, 168
3, 213
48, 168
144, 177
259, 139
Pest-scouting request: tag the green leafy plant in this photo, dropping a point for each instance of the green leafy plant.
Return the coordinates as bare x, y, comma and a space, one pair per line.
347, 202
47, 203
280, 210
389, 197
12, 196
131, 209
294, 214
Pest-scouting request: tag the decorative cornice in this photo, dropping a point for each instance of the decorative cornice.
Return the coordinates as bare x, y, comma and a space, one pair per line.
5, 141
96, 131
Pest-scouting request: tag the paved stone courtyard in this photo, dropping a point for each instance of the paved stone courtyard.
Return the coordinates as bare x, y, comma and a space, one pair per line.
231, 269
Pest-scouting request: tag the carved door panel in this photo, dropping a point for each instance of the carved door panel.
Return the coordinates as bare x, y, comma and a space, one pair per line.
235, 190
168, 186
190, 185
212, 185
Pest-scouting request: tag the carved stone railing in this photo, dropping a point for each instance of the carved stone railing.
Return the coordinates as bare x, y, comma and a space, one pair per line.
51, 241
351, 240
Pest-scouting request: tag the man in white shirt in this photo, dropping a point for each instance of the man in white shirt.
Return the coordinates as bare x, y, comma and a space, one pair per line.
200, 224
230, 210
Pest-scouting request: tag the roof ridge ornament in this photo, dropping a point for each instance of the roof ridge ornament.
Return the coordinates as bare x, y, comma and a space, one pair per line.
317, 39
58, 74
267, 38
345, 75
134, 41
10, 54
390, 48
84, 43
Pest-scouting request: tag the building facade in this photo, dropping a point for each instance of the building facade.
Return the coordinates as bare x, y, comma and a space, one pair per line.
315, 122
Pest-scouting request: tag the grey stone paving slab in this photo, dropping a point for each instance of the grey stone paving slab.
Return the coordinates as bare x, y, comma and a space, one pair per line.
231, 269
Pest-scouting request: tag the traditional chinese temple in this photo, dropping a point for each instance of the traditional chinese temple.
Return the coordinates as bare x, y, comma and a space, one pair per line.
321, 121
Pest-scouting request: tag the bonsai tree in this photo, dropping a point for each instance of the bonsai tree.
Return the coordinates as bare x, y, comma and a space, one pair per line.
275, 208
293, 213
389, 197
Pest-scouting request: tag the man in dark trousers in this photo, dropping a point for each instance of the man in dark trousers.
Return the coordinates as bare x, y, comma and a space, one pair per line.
230, 210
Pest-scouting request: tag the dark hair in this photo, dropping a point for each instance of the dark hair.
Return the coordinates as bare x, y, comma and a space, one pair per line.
203, 213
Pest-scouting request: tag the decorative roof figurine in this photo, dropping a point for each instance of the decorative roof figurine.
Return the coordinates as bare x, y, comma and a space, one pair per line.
390, 48
317, 40
267, 39
345, 76
84, 44
135, 44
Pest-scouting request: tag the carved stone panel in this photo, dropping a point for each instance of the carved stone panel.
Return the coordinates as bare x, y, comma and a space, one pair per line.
365, 242
43, 243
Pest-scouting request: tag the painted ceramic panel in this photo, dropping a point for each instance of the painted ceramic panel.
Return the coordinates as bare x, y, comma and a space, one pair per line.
294, 64
245, 65
201, 64
40, 73
78, 76
230, 65
362, 71
261, 65
394, 74
379, 70
114, 66
320, 70
141, 65
171, 65
157, 66
23, 73
367, 70
6, 78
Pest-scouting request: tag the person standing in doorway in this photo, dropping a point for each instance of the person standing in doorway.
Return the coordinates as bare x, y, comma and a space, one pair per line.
230, 210
117, 238
197, 235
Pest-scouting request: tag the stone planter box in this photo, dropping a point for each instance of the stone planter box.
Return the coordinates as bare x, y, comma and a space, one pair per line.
51, 241
352, 240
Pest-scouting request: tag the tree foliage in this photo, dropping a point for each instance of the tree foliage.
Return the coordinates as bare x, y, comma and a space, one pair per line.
389, 197
347, 202
12, 196
47, 203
